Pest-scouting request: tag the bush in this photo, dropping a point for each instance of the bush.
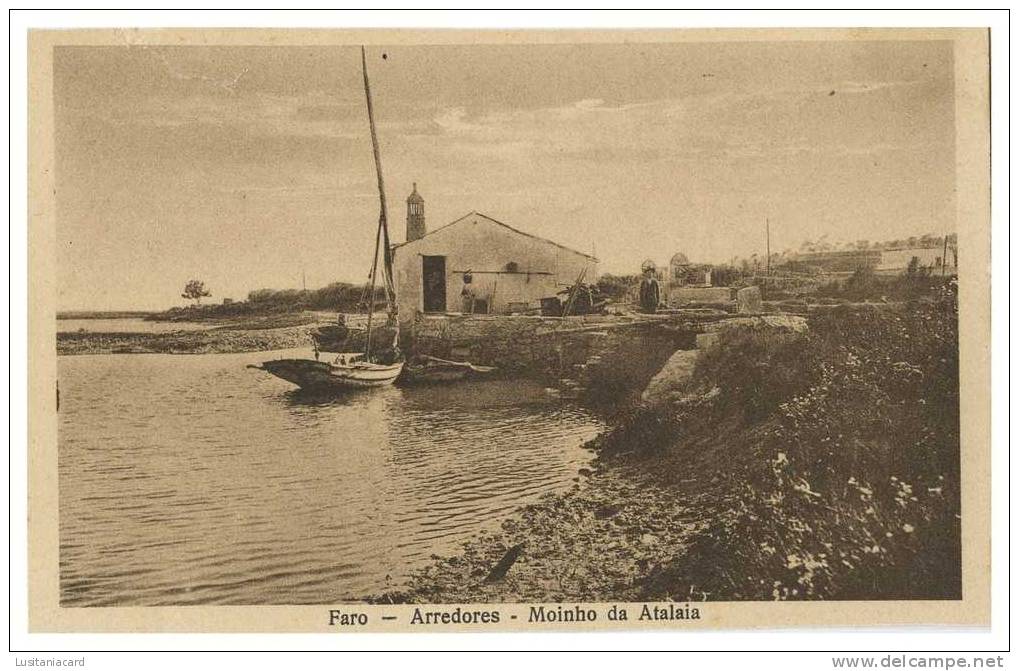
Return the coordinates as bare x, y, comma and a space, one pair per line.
616, 287
865, 284
726, 276
840, 477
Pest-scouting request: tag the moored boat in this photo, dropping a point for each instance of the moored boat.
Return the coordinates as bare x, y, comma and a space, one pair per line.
374, 366
424, 369
324, 375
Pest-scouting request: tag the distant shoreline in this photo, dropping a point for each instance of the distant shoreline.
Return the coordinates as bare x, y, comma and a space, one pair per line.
102, 314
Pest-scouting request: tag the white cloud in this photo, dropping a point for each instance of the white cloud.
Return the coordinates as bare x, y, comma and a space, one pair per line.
714, 125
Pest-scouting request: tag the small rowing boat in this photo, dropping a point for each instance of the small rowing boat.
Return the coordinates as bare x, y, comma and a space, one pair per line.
424, 369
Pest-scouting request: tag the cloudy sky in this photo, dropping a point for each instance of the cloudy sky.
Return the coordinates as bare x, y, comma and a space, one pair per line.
246, 166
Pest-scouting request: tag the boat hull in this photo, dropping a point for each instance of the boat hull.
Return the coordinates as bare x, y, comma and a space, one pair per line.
432, 370
321, 375
433, 376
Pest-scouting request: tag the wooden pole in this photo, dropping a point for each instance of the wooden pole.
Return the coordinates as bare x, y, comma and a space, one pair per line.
383, 210
767, 246
371, 299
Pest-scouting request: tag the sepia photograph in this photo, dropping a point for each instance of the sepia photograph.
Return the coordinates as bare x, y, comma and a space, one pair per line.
490, 331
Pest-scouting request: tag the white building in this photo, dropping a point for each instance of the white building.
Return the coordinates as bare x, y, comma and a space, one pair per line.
897, 260
510, 270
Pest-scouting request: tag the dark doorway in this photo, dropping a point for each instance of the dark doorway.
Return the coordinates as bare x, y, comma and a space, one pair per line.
433, 272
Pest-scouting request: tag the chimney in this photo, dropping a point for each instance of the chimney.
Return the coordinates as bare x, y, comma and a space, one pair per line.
415, 215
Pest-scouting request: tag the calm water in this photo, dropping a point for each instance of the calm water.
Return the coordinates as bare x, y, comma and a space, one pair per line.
192, 479
128, 325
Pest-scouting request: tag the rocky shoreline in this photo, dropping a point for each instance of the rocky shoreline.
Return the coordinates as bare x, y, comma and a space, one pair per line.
711, 490
603, 540
210, 341
608, 538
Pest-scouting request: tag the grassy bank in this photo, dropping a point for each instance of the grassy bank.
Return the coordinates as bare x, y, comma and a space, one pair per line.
816, 465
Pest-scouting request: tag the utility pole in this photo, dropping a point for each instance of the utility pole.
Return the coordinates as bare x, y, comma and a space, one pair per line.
767, 246
944, 256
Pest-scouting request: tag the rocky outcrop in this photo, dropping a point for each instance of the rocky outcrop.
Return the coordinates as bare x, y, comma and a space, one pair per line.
672, 378
794, 323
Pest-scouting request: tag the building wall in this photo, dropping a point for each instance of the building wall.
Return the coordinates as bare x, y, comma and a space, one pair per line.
893, 260
881, 260
842, 261
486, 248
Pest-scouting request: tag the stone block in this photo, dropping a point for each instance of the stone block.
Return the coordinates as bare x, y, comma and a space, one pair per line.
748, 300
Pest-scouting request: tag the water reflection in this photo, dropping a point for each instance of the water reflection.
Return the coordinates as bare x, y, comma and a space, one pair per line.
326, 398
190, 479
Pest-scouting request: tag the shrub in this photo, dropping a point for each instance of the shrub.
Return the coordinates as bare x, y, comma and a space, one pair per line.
616, 287
841, 477
915, 281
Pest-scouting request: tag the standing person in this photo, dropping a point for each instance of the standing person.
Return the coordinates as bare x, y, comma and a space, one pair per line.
467, 294
650, 291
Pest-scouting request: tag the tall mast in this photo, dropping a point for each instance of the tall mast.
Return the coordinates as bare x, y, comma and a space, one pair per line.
382, 233
383, 210
767, 246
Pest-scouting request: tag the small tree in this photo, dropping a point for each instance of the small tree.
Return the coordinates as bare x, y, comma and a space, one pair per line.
195, 291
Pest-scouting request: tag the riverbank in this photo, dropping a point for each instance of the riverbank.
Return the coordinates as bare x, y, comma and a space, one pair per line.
787, 465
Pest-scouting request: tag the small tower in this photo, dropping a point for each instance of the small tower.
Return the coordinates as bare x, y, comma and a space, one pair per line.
415, 215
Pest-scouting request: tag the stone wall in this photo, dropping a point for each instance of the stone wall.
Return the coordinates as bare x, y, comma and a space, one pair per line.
680, 295
512, 343
602, 359
601, 355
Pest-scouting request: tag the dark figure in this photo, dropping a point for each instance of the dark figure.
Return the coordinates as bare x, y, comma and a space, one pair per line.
467, 294
332, 338
650, 293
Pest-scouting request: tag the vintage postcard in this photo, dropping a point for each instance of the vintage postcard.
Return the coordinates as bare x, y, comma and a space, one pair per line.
399, 331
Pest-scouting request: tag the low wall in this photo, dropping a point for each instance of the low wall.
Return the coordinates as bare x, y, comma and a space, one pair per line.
513, 343
684, 295
601, 359
603, 356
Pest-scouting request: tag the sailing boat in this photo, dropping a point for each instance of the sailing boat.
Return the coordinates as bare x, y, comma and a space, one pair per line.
375, 366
